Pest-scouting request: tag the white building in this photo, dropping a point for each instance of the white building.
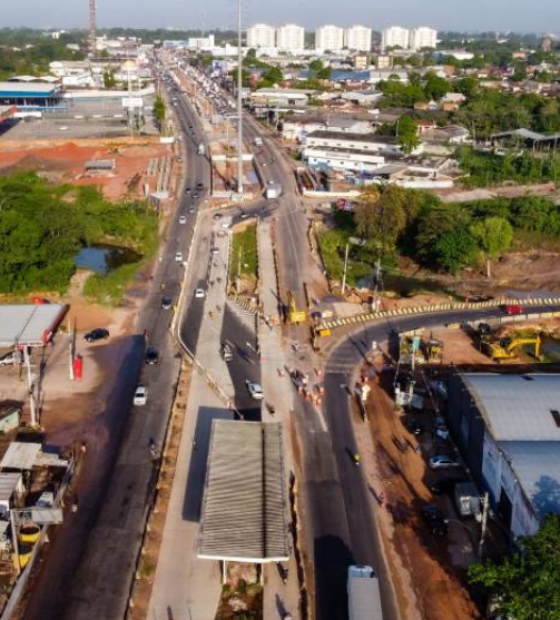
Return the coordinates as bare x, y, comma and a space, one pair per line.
290, 38
358, 38
395, 36
421, 38
329, 38
201, 43
261, 35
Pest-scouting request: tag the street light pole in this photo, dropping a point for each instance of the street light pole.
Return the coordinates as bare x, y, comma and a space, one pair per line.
345, 267
239, 104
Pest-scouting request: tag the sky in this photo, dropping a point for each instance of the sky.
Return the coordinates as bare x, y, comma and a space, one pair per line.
462, 15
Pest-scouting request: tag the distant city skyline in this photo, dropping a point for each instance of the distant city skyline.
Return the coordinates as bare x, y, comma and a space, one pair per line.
477, 15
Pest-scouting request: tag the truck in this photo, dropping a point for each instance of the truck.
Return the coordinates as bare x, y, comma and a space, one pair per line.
273, 191
364, 597
201, 149
258, 141
467, 500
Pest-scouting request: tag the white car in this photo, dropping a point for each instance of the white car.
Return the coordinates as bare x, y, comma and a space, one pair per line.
182, 219
255, 390
442, 461
179, 257
141, 396
200, 293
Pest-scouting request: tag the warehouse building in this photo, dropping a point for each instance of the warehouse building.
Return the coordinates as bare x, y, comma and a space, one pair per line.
507, 428
26, 95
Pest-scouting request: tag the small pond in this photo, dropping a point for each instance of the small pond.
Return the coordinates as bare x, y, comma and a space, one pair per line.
105, 258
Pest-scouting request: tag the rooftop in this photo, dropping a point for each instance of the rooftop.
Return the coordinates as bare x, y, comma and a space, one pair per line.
31, 325
351, 137
27, 89
518, 407
244, 505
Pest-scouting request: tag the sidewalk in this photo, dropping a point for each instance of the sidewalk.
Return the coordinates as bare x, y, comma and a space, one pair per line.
278, 597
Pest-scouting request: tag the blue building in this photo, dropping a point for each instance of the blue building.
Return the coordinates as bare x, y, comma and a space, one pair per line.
30, 95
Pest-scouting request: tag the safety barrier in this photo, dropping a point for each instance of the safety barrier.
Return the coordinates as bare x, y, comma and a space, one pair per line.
414, 310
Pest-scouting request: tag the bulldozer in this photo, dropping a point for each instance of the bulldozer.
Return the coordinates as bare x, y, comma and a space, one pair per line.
295, 316
506, 348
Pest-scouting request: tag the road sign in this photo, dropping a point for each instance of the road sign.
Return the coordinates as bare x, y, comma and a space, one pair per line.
132, 102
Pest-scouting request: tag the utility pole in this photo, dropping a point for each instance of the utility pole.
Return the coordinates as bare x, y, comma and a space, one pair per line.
92, 26
484, 523
71, 349
30, 381
345, 267
239, 104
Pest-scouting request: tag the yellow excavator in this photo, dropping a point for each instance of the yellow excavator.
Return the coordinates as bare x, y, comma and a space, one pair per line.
507, 347
295, 316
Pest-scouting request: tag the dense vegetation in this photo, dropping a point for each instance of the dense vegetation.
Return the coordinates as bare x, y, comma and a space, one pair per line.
394, 221
43, 226
28, 52
526, 585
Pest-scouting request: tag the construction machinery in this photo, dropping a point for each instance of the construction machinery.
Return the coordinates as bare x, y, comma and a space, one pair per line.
506, 348
295, 316
433, 350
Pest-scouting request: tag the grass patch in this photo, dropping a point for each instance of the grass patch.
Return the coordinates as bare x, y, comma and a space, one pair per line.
332, 244
244, 254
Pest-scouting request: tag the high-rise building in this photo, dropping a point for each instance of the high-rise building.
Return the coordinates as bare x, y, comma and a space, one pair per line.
329, 38
261, 35
395, 36
358, 38
290, 38
421, 38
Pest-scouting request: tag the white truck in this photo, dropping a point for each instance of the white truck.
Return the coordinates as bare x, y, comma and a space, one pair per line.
364, 598
201, 149
273, 191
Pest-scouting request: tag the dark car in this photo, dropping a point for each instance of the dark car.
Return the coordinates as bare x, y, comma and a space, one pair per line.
217, 216
187, 190
433, 516
444, 485
152, 356
199, 186
97, 334
166, 302
414, 427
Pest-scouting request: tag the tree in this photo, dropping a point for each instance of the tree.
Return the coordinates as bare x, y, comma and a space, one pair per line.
316, 65
159, 111
109, 80
271, 77
435, 87
494, 236
526, 585
407, 133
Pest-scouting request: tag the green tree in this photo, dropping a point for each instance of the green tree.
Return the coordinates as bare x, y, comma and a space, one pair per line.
109, 80
316, 65
435, 87
159, 112
494, 236
407, 133
526, 585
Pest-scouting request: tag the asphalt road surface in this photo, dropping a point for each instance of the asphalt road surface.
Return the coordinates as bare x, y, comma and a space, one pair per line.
89, 566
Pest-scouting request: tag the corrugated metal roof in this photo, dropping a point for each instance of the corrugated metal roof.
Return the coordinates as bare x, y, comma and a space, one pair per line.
518, 407
27, 89
537, 467
29, 324
244, 505
20, 456
8, 484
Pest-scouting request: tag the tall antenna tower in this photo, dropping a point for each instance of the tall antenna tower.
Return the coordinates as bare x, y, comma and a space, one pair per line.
92, 25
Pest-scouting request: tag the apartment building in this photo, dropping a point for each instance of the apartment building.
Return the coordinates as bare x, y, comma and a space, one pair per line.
421, 38
395, 36
261, 35
358, 38
329, 38
290, 38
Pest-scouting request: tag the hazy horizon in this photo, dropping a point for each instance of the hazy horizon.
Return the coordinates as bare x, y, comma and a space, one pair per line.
478, 15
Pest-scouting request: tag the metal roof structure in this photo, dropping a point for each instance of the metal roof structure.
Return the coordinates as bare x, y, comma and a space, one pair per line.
20, 456
30, 325
518, 407
9, 482
244, 506
32, 90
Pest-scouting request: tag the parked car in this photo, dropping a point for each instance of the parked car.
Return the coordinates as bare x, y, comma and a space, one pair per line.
140, 396
443, 461
152, 356
433, 516
179, 257
512, 309
226, 352
97, 334
200, 293
166, 302
254, 389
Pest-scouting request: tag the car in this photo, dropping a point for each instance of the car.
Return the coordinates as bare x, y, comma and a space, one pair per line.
166, 302
46, 500
215, 251
96, 334
152, 356
182, 219
199, 186
179, 257
192, 209
244, 215
226, 224
443, 461
512, 309
179, 160
433, 516
414, 427
140, 396
445, 485
255, 390
217, 216
200, 293
195, 195
187, 190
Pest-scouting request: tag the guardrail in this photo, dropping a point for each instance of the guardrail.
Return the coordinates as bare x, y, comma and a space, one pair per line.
374, 316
